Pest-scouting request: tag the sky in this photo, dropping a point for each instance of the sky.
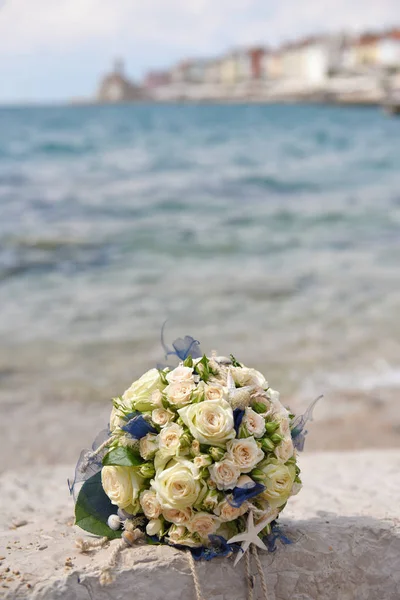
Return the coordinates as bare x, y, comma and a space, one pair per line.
51, 50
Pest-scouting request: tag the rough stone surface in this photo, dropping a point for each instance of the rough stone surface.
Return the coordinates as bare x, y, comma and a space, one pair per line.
345, 527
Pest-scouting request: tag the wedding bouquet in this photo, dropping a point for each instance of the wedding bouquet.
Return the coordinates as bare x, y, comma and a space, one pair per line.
199, 455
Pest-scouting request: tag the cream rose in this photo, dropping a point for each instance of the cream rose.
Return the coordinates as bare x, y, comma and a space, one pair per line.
254, 423
169, 439
203, 523
210, 422
150, 505
148, 446
121, 484
177, 486
139, 395
243, 376
279, 480
180, 374
214, 392
180, 393
244, 453
178, 517
154, 527
226, 512
178, 534
285, 449
162, 416
225, 474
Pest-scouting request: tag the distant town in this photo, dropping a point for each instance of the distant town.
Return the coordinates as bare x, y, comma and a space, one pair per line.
363, 69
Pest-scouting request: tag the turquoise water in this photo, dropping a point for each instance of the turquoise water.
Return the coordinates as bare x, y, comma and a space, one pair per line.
272, 232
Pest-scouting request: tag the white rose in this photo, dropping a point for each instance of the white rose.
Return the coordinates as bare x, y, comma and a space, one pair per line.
148, 446
226, 512
284, 425
203, 523
278, 482
214, 392
254, 423
203, 460
210, 422
177, 486
180, 374
244, 453
211, 500
285, 449
156, 399
139, 395
154, 527
225, 474
169, 439
178, 534
162, 416
180, 392
178, 517
150, 505
243, 376
121, 484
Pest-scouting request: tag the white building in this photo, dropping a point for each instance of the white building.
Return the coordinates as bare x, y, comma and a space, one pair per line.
388, 50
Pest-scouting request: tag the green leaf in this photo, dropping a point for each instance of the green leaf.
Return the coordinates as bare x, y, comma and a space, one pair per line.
188, 362
235, 362
202, 368
122, 457
163, 376
93, 507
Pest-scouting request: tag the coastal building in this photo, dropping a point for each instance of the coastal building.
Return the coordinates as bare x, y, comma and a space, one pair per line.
180, 72
115, 87
156, 79
366, 50
229, 69
212, 71
388, 50
272, 65
311, 60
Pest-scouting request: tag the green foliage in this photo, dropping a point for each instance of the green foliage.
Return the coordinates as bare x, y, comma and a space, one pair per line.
267, 445
271, 427
235, 362
188, 362
202, 368
122, 457
147, 470
276, 438
93, 507
163, 376
259, 407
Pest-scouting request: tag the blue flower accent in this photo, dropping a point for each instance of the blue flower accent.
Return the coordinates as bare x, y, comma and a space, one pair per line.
218, 547
138, 427
241, 494
298, 430
182, 347
88, 465
276, 534
238, 415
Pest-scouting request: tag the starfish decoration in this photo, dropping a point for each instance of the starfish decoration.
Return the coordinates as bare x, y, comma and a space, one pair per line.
250, 536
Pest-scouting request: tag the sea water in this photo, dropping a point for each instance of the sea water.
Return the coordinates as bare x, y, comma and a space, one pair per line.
272, 232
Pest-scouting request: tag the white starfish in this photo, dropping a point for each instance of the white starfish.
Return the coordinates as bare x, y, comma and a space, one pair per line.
250, 536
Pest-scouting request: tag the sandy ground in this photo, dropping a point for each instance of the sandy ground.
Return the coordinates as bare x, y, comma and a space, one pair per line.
345, 528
